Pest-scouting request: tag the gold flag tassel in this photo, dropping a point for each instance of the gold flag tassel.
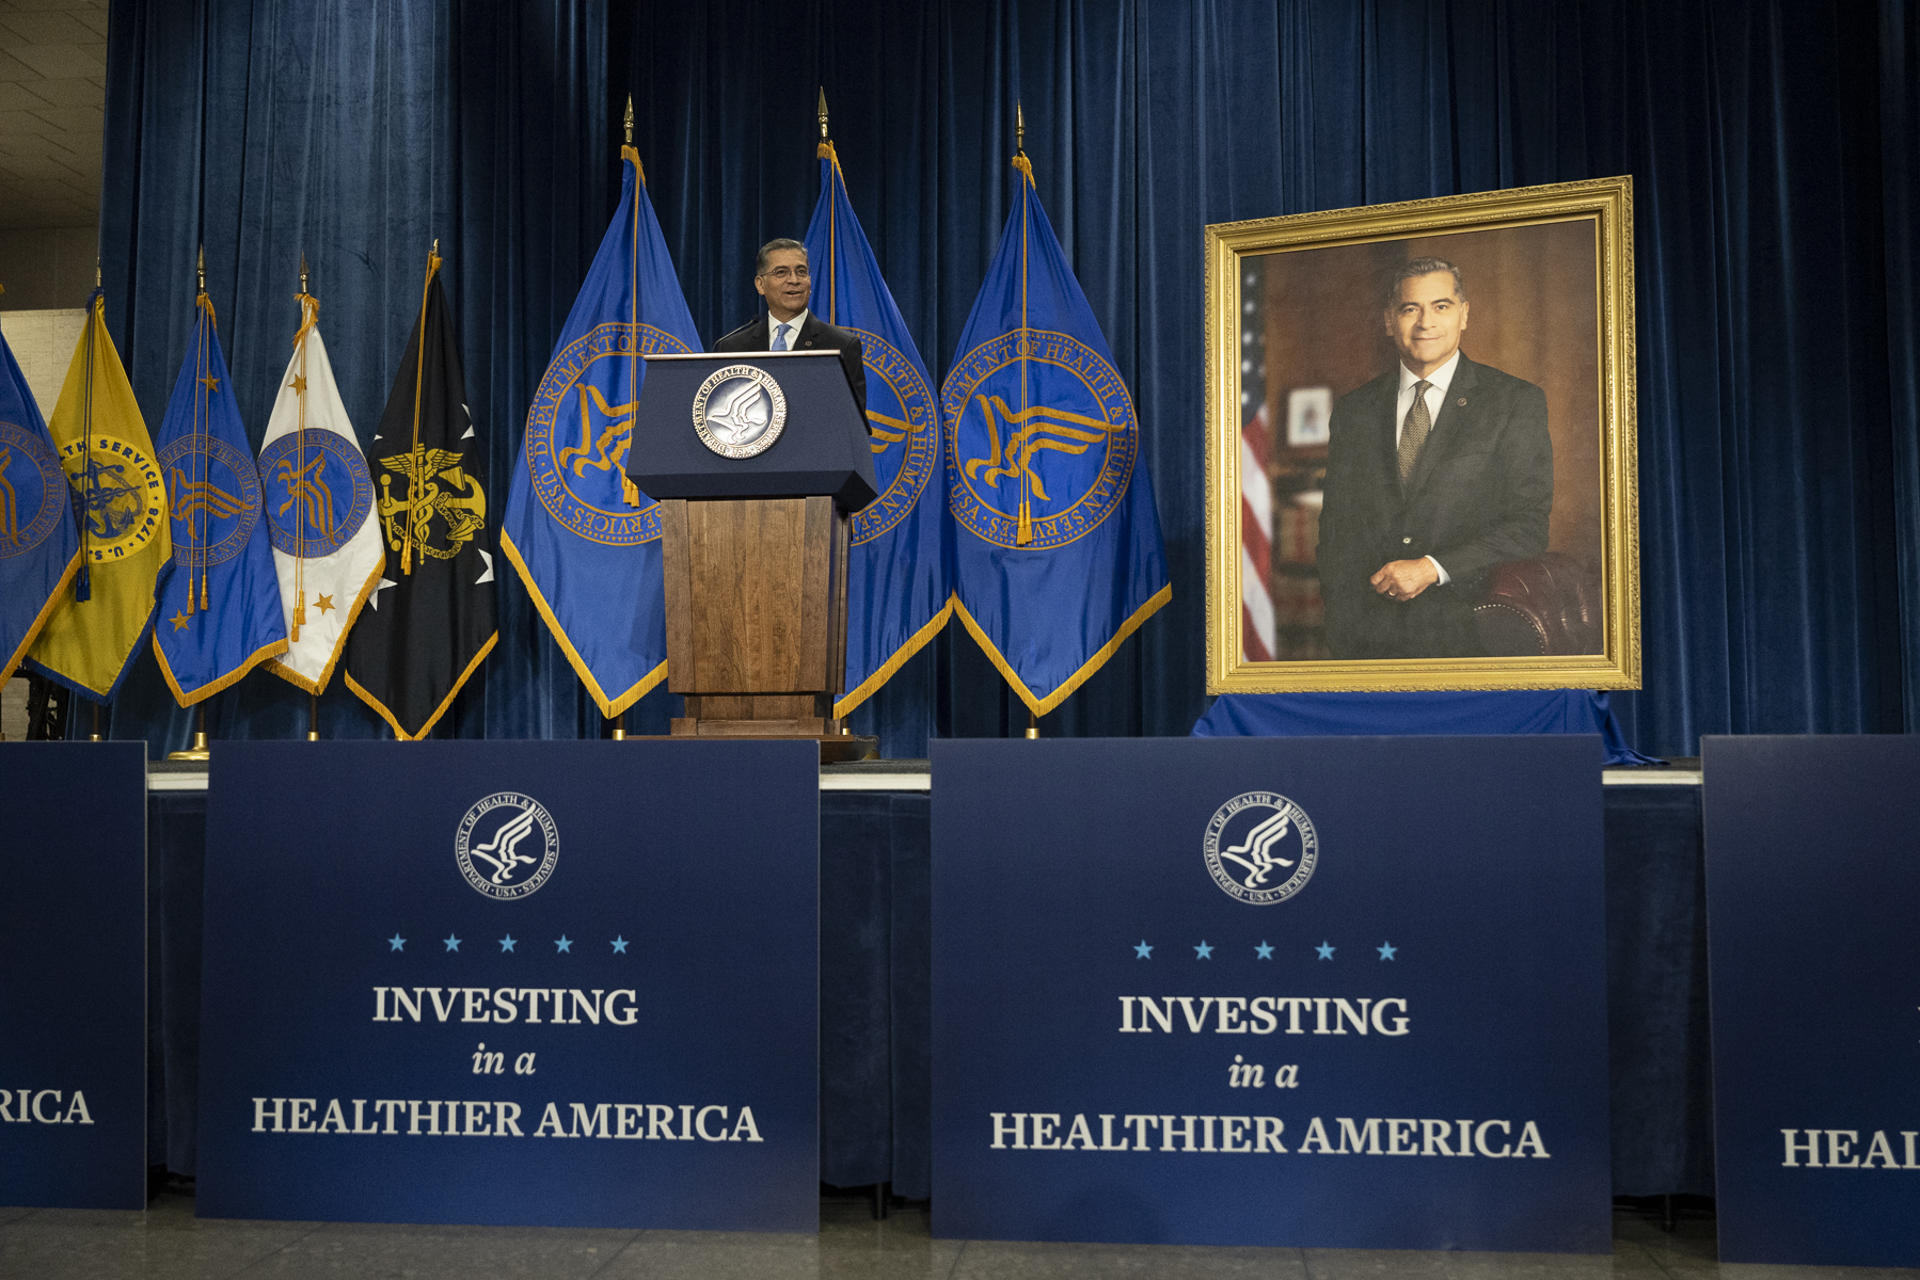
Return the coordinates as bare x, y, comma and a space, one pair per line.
1023, 525
419, 375
197, 549
629, 491
96, 311
309, 313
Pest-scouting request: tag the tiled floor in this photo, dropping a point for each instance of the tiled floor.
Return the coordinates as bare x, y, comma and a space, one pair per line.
168, 1241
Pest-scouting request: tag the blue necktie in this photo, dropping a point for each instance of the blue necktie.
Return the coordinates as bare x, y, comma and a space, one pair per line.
780, 337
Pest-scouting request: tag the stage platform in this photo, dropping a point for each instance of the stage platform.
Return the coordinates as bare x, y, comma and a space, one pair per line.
875, 958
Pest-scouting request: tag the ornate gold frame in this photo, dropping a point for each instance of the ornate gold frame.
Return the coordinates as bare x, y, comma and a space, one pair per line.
1605, 203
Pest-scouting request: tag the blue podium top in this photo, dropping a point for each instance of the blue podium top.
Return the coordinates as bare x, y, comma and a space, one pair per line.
821, 447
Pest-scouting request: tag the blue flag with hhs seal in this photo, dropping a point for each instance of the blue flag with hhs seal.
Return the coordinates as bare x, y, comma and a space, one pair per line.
898, 584
219, 613
39, 543
1057, 555
584, 540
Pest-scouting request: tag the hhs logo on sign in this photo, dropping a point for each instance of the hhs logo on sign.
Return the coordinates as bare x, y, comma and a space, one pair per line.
1261, 848
507, 845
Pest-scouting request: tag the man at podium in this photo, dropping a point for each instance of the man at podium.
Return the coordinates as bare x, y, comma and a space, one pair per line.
782, 279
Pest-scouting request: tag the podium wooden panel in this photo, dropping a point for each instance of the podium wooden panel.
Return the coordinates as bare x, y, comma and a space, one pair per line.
754, 547
756, 596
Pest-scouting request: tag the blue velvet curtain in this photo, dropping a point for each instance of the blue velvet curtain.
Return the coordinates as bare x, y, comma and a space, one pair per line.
357, 133
1771, 146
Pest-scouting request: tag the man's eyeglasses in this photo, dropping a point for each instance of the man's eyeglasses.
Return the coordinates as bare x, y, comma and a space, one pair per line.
784, 274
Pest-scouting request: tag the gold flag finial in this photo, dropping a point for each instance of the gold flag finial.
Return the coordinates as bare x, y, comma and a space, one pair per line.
96, 273
628, 121
303, 271
202, 268
1019, 130
823, 113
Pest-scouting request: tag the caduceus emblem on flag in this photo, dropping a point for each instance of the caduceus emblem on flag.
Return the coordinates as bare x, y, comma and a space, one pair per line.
437, 510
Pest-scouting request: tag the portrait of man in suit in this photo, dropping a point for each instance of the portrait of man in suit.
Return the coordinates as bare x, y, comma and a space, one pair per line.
784, 282
1437, 470
1421, 438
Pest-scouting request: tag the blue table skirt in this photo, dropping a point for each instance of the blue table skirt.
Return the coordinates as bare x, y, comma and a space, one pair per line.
875, 978
1299, 715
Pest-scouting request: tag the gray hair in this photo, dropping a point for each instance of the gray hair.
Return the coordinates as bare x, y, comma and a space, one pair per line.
1423, 267
774, 246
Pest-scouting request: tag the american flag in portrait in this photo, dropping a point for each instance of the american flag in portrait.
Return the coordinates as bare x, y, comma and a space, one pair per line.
1256, 483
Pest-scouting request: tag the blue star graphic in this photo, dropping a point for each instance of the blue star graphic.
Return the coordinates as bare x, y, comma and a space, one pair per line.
1144, 950
619, 946
453, 943
1326, 950
1386, 950
506, 943
396, 943
1264, 950
563, 944
1204, 951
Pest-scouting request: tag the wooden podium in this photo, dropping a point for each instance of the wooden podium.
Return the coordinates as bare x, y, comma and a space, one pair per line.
754, 547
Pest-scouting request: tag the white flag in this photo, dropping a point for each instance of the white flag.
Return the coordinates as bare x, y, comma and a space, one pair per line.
319, 509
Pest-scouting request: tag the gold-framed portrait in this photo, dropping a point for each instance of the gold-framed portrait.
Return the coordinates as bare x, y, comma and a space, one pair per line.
1420, 445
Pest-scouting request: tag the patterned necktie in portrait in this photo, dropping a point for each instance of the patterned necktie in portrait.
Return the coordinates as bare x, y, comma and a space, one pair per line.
1413, 433
780, 337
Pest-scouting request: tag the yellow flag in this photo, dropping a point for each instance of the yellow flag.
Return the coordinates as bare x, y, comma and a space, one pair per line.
121, 500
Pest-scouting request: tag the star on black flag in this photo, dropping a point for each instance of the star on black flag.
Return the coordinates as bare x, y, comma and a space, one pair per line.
431, 620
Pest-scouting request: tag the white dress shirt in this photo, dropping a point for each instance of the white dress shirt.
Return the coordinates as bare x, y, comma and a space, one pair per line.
793, 331
1436, 396
1437, 383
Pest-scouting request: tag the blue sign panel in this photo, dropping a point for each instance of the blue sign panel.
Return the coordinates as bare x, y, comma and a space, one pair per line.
559, 983
73, 976
1338, 992
1813, 956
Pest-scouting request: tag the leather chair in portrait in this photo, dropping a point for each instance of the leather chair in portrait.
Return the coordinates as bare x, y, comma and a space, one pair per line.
1545, 606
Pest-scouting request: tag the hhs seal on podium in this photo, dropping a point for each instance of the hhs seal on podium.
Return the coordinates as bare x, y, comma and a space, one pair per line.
739, 411
507, 845
1261, 847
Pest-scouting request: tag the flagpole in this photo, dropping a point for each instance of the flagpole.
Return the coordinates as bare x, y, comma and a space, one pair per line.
202, 456
300, 501
414, 485
619, 730
83, 581
202, 463
1023, 520
833, 215
1023, 524
826, 152
633, 289
300, 467
3, 728
198, 751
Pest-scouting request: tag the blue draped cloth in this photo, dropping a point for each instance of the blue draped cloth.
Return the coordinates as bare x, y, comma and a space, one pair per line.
1288, 715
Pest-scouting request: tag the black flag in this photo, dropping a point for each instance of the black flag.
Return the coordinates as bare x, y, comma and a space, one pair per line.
431, 619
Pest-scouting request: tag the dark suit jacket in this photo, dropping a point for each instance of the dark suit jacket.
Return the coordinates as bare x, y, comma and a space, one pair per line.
757, 335
1480, 493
